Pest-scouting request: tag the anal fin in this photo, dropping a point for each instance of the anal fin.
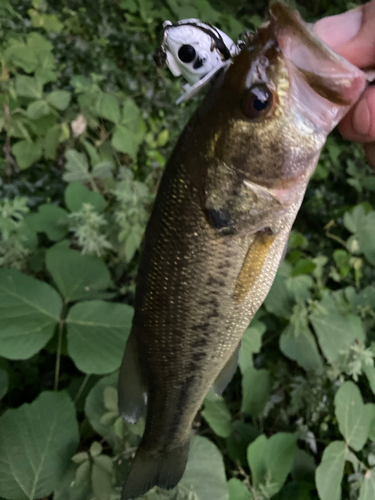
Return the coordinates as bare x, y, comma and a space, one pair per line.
132, 391
226, 374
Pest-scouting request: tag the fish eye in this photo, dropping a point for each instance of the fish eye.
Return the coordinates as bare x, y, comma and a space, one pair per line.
186, 53
258, 101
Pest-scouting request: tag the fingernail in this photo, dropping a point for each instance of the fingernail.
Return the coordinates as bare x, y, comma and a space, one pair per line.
338, 30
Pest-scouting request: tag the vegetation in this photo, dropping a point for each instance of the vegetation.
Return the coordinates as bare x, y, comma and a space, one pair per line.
87, 123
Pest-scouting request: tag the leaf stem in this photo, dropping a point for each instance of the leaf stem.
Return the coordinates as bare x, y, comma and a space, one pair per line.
81, 387
59, 347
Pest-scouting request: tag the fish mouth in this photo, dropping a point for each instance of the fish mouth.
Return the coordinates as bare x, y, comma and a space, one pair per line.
323, 85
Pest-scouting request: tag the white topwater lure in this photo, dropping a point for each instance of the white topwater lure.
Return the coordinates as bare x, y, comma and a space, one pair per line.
194, 50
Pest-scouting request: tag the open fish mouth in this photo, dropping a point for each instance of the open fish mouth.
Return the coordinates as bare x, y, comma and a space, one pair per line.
323, 84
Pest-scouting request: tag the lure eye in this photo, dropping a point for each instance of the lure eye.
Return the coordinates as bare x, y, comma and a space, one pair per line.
186, 53
258, 102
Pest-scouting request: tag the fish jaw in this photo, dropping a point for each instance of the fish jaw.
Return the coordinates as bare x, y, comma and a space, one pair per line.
324, 85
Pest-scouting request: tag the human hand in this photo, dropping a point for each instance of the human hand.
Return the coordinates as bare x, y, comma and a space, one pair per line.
352, 35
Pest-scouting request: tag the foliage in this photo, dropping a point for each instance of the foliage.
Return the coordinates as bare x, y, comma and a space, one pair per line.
87, 123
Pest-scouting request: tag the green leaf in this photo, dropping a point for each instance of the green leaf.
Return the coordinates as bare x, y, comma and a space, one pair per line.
29, 313
27, 86
303, 266
26, 153
218, 416
330, 471
130, 112
300, 347
102, 170
243, 434
251, 343
335, 333
22, 56
43, 76
279, 300
59, 99
238, 490
76, 194
51, 220
97, 334
77, 167
4, 382
95, 408
353, 416
37, 109
367, 491
204, 474
51, 142
37, 441
126, 141
271, 460
108, 107
256, 388
77, 276
362, 224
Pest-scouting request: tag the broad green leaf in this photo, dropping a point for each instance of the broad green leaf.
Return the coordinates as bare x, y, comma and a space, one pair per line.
367, 491
251, 343
102, 170
22, 56
130, 112
101, 479
26, 153
279, 300
77, 167
29, 313
109, 108
300, 347
27, 86
335, 332
271, 460
218, 416
126, 141
49, 22
37, 109
303, 266
43, 75
256, 387
204, 474
353, 416
369, 371
76, 194
68, 489
238, 490
52, 140
330, 471
4, 382
51, 220
97, 334
242, 435
37, 441
362, 224
77, 276
59, 99
304, 467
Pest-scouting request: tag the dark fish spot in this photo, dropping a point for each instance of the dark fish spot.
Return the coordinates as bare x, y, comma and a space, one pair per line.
213, 281
199, 343
222, 220
200, 327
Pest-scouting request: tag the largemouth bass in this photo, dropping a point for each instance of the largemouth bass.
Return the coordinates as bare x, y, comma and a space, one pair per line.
219, 227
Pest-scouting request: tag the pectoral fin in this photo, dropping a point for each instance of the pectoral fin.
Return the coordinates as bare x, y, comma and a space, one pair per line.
253, 263
132, 391
226, 374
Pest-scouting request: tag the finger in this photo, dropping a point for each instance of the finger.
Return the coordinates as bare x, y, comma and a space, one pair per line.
359, 124
351, 34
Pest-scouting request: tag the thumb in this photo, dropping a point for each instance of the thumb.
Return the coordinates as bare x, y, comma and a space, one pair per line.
351, 34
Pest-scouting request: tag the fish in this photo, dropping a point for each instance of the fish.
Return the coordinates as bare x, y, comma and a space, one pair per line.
218, 229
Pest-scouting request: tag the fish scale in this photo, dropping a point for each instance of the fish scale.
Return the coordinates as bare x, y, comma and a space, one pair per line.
217, 233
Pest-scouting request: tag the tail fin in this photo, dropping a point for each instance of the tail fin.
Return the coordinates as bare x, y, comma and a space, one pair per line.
164, 470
